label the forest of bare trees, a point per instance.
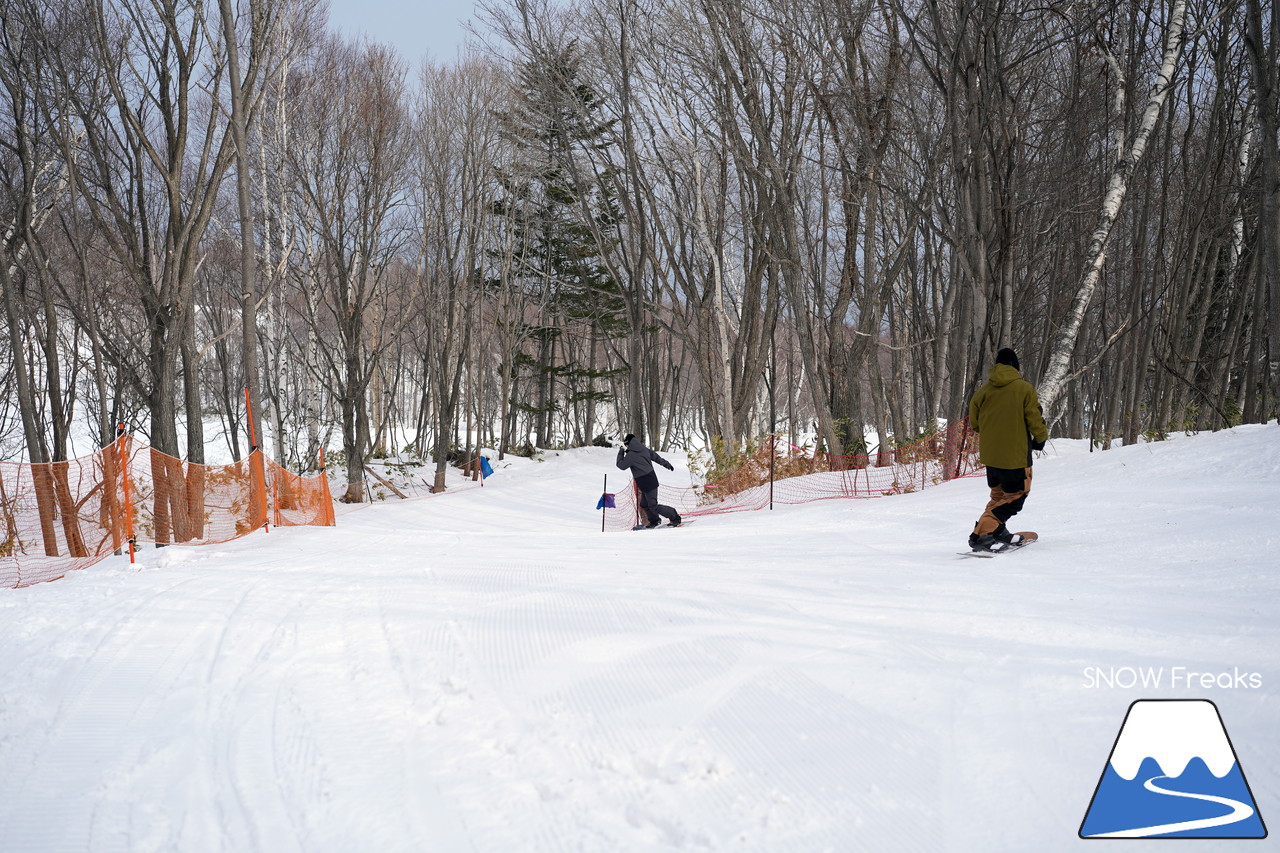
(697, 220)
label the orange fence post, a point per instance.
(124, 481)
(110, 511)
(324, 484)
(255, 463)
(275, 498)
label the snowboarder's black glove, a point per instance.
(668, 466)
(1037, 445)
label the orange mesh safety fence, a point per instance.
(801, 477)
(62, 516)
(299, 500)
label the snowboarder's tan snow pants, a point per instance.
(1009, 489)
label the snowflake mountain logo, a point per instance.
(1173, 773)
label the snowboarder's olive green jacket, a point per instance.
(1005, 413)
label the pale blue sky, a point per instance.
(418, 29)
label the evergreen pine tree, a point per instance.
(554, 122)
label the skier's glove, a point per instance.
(1037, 445)
(669, 466)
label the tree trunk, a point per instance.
(1263, 40)
(248, 258)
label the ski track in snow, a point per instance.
(486, 671)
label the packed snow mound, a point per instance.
(1250, 452)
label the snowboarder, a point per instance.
(634, 455)
(1006, 415)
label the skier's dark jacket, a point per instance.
(1005, 413)
(640, 460)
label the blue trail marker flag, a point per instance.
(606, 501)
(485, 469)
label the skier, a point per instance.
(634, 455)
(1006, 415)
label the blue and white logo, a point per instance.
(1173, 773)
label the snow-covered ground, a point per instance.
(486, 671)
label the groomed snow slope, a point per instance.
(486, 671)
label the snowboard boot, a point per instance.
(675, 522)
(1003, 536)
(987, 543)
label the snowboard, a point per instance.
(685, 523)
(1027, 538)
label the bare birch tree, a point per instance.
(1053, 384)
(350, 172)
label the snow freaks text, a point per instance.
(1173, 677)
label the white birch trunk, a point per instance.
(43, 210)
(1243, 164)
(310, 390)
(1056, 376)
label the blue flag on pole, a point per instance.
(606, 500)
(485, 470)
